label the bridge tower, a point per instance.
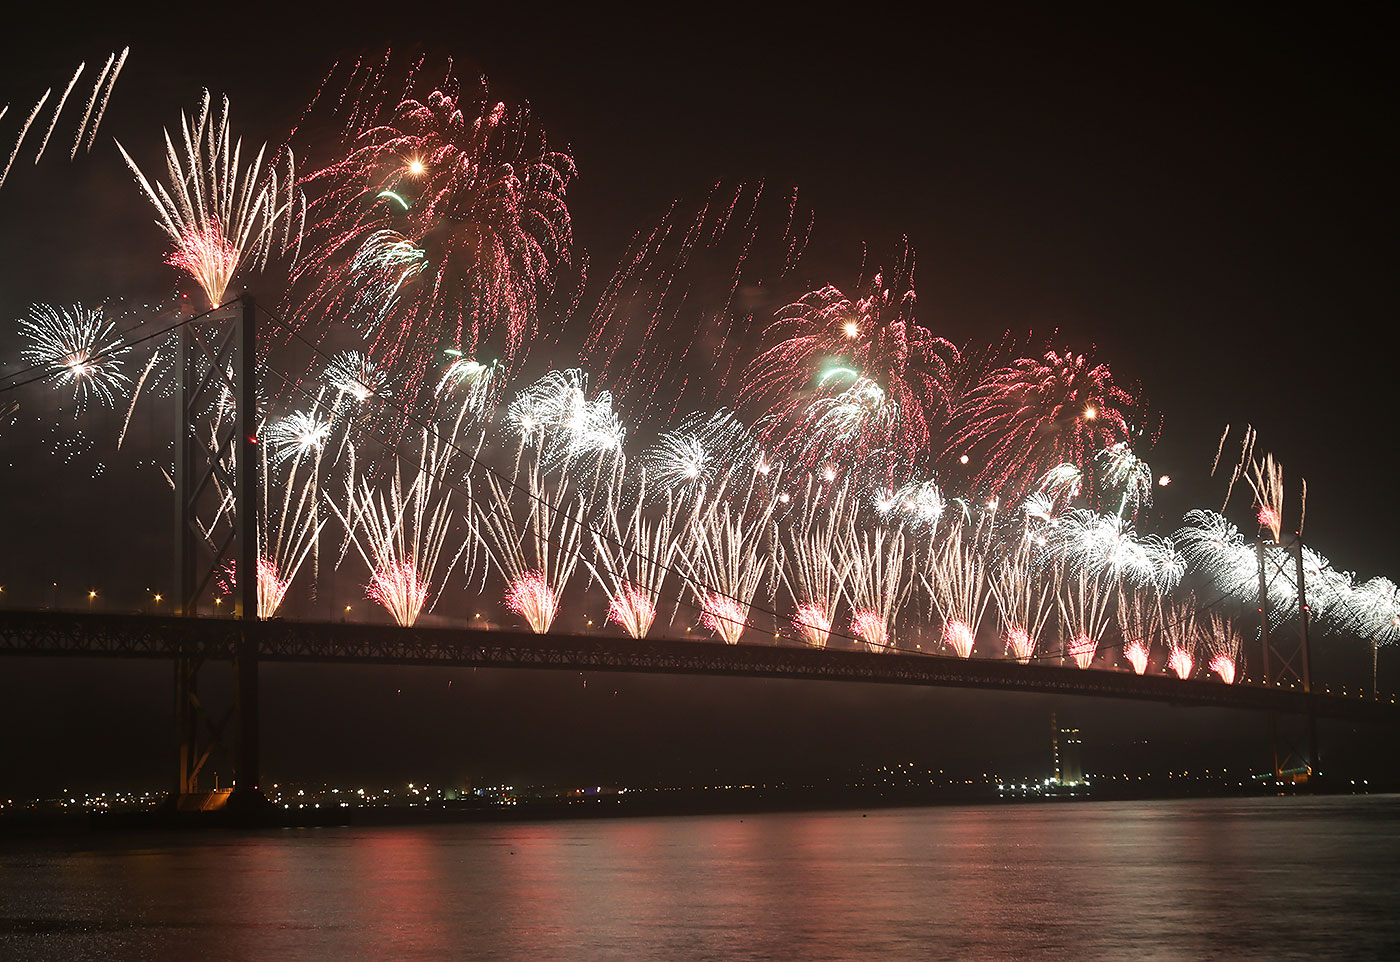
(1287, 659)
(216, 536)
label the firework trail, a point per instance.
(534, 545)
(876, 577)
(1034, 414)
(634, 555)
(893, 374)
(1139, 621)
(221, 215)
(728, 558)
(101, 94)
(400, 537)
(79, 345)
(670, 327)
(1246, 449)
(1024, 598)
(1086, 603)
(443, 223)
(958, 589)
(807, 560)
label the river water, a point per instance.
(1236, 879)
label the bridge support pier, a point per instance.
(216, 468)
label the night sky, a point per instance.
(1209, 198)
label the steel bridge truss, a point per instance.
(59, 634)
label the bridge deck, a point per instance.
(60, 634)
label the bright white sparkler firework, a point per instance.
(1063, 482)
(79, 345)
(1086, 604)
(474, 383)
(1024, 598)
(288, 531)
(634, 554)
(855, 419)
(354, 374)
(1107, 545)
(877, 579)
(221, 215)
(807, 560)
(400, 536)
(1122, 472)
(297, 434)
(556, 414)
(701, 453)
(532, 534)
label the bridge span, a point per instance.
(74, 634)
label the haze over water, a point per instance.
(1198, 879)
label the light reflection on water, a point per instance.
(1227, 879)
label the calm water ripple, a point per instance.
(1232, 879)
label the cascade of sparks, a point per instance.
(877, 578)
(1086, 603)
(634, 553)
(958, 589)
(400, 535)
(532, 533)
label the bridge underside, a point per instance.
(61, 634)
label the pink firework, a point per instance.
(1136, 653)
(444, 225)
(1082, 649)
(1224, 667)
(272, 587)
(1181, 661)
(1034, 414)
(1269, 518)
(869, 625)
(958, 636)
(1019, 644)
(531, 597)
(398, 588)
(724, 616)
(828, 340)
(633, 609)
(812, 622)
(204, 254)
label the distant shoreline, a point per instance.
(638, 805)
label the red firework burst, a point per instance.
(444, 226)
(1033, 414)
(865, 358)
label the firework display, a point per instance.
(80, 347)
(221, 215)
(721, 444)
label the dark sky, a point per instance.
(1207, 196)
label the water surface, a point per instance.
(1211, 879)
